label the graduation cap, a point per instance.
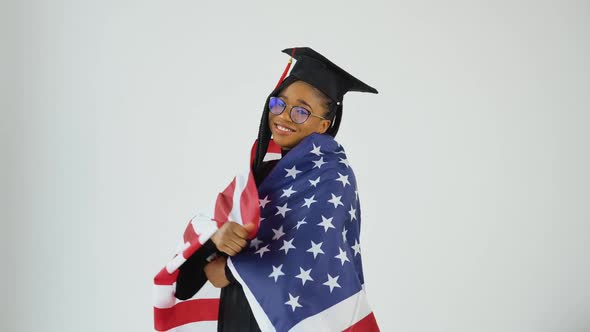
(323, 74)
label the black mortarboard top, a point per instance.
(323, 74)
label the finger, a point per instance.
(234, 246)
(240, 231)
(241, 243)
(249, 228)
(227, 225)
(228, 250)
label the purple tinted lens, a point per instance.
(276, 105)
(299, 114)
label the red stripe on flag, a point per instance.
(186, 312)
(249, 203)
(272, 148)
(224, 204)
(189, 233)
(188, 252)
(165, 278)
(367, 324)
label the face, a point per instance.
(285, 132)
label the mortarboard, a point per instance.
(323, 74)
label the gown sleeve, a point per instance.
(191, 275)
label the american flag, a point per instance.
(303, 271)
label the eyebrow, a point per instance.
(300, 101)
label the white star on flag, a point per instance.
(344, 161)
(287, 245)
(282, 210)
(316, 249)
(342, 256)
(332, 282)
(326, 223)
(318, 163)
(309, 201)
(255, 243)
(293, 302)
(301, 222)
(316, 150)
(262, 250)
(264, 201)
(292, 172)
(356, 247)
(335, 200)
(314, 182)
(276, 272)
(288, 192)
(344, 231)
(343, 179)
(352, 213)
(278, 233)
(304, 275)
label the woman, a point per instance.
(303, 112)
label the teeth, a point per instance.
(283, 128)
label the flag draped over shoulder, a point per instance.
(303, 270)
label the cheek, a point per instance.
(309, 128)
(271, 118)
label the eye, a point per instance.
(301, 111)
(275, 101)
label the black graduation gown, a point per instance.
(235, 314)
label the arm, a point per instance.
(191, 274)
(216, 272)
(230, 239)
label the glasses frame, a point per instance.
(309, 113)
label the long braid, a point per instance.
(264, 132)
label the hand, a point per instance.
(231, 237)
(215, 272)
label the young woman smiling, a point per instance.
(303, 112)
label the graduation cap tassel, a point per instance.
(286, 71)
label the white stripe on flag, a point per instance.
(204, 226)
(236, 211)
(163, 296)
(203, 326)
(272, 156)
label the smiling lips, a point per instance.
(282, 129)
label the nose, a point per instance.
(285, 116)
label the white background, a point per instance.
(120, 117)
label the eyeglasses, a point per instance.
(298, 114)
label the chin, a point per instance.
(283, 143)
